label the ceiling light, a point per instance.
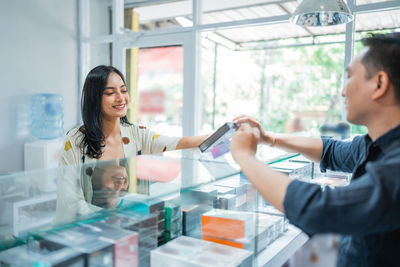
(321, 13)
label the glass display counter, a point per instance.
(180, 208)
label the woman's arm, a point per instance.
(191, 141)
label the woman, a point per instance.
(106, 133)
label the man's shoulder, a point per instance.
(359, 139)
(393, 151)
(356, 141)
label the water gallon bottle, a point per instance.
(47, 116)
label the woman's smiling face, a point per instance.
(115, 97)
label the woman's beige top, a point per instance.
(137, 140)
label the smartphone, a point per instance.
(224, 133)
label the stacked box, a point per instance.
(125, 243)
(240, 189)
(255, 244)
(194, 203)
(222, 190)
(228, 224)
(145, 225)
(261, 240)
(226, 201)
(191, 219)
(239, 186)
(273, 224)
(236, 229)
(271, 210)
(251, 194)
(173, 219)
(97, 252)
(147, 205)
(242, 243)
(42, 253)
(232, 228)
(205, 195)
(296, 170)
(187, 251)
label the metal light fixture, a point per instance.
(321, 13)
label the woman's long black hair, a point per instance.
(91, 103)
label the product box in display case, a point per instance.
(97, 252)
(296, 170)
(145, 225)
(147, 205)
(275, 225)
(228, 228)
(241, 190)
(23, 214)
(236, 183)
(222, 190)
(173, 219)
(42, 253)
(228, 224)
(232, 228)
(191, 252)
(144, 204)
(125, 243)
(226, 201)
(191, 219)
(204, 194)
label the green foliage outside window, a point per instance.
(277, 85)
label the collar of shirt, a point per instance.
(376, 150)
(386, 140)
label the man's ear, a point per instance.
(382, 84)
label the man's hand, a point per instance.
(244, 141)
(265, 138)
(271, 184)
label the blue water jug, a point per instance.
(47, 116)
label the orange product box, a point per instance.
(223, 241)
(227, 224)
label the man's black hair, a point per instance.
(383, 55)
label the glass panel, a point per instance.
(158, 197)
(290, 85)
(168, 14)
(160, 87)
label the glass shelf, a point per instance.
(184, 191)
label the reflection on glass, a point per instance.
(109, 181)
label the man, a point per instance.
(367, 212)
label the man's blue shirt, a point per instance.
(366, 212)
